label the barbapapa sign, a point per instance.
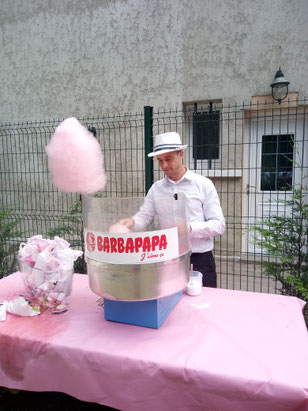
(132, 248)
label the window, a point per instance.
(206, 134)
(203, 134)
(277, 162)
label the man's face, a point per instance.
(172, 164)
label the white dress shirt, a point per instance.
(204, 213)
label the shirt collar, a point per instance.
(186, 176)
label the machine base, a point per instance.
(151, 313)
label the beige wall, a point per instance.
(65, 58)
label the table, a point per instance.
(221, 350)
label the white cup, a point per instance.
(194, 286)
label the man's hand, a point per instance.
(128, 222)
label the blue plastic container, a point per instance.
(151, 313)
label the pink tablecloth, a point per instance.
(223, 350)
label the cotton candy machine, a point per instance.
(135, 266)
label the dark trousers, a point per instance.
(205, 263)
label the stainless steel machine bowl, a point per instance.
(139, 282)
(135, 281)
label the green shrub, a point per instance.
(71, 227)
(9, 242)
(284, 240)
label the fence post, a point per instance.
(148, 146)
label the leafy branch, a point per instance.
(285, 239)
(8, 246)
(71, 225)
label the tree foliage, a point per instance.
(284, 239)
(9, 242)
(71, 226)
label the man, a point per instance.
(204, 213)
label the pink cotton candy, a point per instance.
(75, 159)
(118, 228)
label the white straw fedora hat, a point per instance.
(163, 143)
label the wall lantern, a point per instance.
(280, 87)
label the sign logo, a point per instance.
(132, 248)
(90, 240)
